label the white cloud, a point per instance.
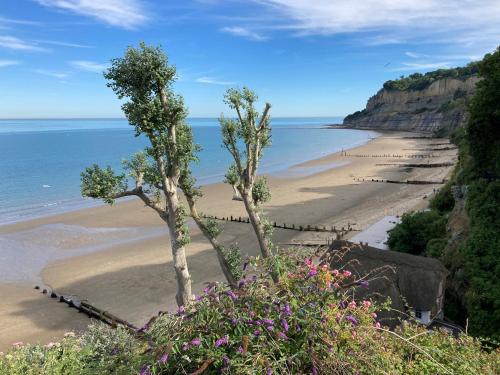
(4, 63)
(14, 43)
(243, 32)
(63, 44)
(51, 73)
(128, 14)
(406, 66)
(212, 81)
(415, 55)
(89, 66)
(465, 23)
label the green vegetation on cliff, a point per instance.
(418, 81)
(474, 263)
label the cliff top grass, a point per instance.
(418, 81)
(308, 323)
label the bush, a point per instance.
(308, 323)
(415, 231)
(443, 201)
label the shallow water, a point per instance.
(41, 160)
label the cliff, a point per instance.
(432, 102)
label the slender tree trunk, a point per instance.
(258, 227)
(213, 241)
(184, 295)
(256, 223)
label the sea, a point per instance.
(41, 160)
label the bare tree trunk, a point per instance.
(184, 295)
(213, 241)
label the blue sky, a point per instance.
(306, 57)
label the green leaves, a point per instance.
(102, 183)
(260, 191)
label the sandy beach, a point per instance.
(118, 258)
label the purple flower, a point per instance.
(181, 310)
(282, 335)
(314, 370)
(257, 332)
(234, 321)
(196, 342)
(269, 328)
(240, 349)
(284, 324)
(312, 273)
(287, 309)
(145, 370)
(222, 341)
(225, 361)
(351, 319)
(163, 358)
(185, 346)
(115, 351)
(241, 284)
(363, 283)
(269, 371)
(231, 295)
(342, 305)
(268, 321)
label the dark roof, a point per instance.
(407, 279)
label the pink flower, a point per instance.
(196, 342)
(367, 304)
(377, 325)
(353, 334)
(324, 267)
(347, 273)
(352, 305)
(374, 315)
(335, 272)
(69, 334)
(18, 345)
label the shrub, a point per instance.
(307, 323)
(415, 231)
(443, 201)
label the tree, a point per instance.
(229, 259)
(144, 77)
(245, 138)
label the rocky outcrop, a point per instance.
(442, 104)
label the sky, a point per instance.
(305, 57)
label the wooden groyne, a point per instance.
(407, 182)
(419, 165)
(400, 156)
(90, 310)
(302, 228)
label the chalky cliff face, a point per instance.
(442, 104)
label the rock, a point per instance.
(426, 110)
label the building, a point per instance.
(415, 284)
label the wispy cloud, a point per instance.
(127, 14)
(408, 66)
(415, 55)
(6, 22)
(49, 73)
(469, 24)
(244, 32)
(89, 66)
(62, 44)
(212, 81)
(4, 63)
(14, 43)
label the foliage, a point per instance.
(415, 231)
(480, 256)
(102, 183)
(443, 201)
(232, 254)
(307, 323)
(418, 81)
(260, 191)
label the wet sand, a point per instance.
(118, 258)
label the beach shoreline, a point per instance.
(133, 278)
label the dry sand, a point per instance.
(118, 258)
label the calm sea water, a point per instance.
(41, 160)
